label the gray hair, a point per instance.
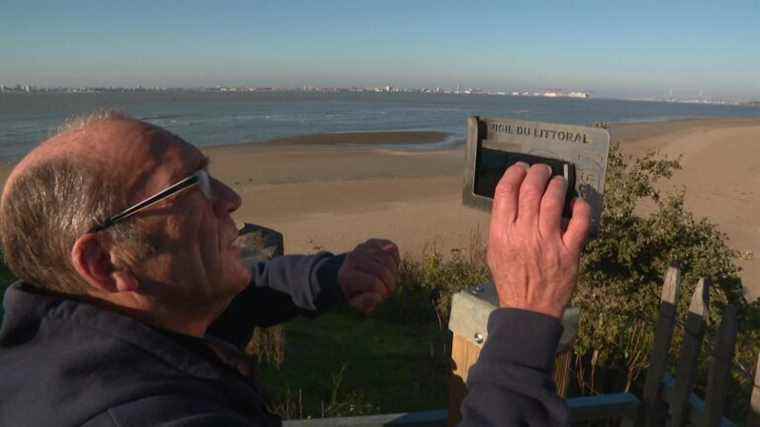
(54, 202)
(80, 122)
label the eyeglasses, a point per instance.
(199, 178)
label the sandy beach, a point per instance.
(324, 196)
(334, 191)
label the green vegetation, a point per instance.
(619, 287)
(344, 364)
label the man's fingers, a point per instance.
(375, 255)
(377, 243)
(384, 246)
(531, 192)
(580, 223)
(374, 267)
(504, 208)
(359, 282)
(552, 204)
(387, 255)
(366, 303)
(392, 249)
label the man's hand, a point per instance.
(533, 261)
(368, 275)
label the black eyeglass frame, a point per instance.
(200, 177)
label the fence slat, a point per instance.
(604, 407)
(754, 403)
(696, 405)
(720, 369)
(688, 359)
(653, 407)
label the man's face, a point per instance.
(197, 261)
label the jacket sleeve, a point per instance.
(512, 382)
(177, 411)
(281, 289)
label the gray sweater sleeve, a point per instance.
(512, 382)
(281, 289)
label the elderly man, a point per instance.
(133, 301)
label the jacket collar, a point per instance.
(27, 308)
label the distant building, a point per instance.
(584, 95)
(554, 93)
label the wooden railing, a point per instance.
(671, 400)
(666, 400)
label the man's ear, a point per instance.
(93, 263)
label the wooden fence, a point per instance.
(666, 400)
(671, 401)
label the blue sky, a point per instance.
(630, 49)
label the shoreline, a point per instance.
(343, 140)
(361, 138)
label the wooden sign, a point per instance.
(493, 144)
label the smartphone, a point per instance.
(491, 165)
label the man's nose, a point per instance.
(226, 200)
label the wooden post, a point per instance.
(654, 409)
(692, 343)
(464, 354)
(754, 404)
(468, 322)
(720, 369)
(562, 371)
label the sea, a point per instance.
(223, 118)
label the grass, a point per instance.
(396, 360)
(345, 364)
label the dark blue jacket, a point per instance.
(65, 362)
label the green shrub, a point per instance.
(644, 230)
(434, 278)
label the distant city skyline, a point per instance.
(637, 50)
